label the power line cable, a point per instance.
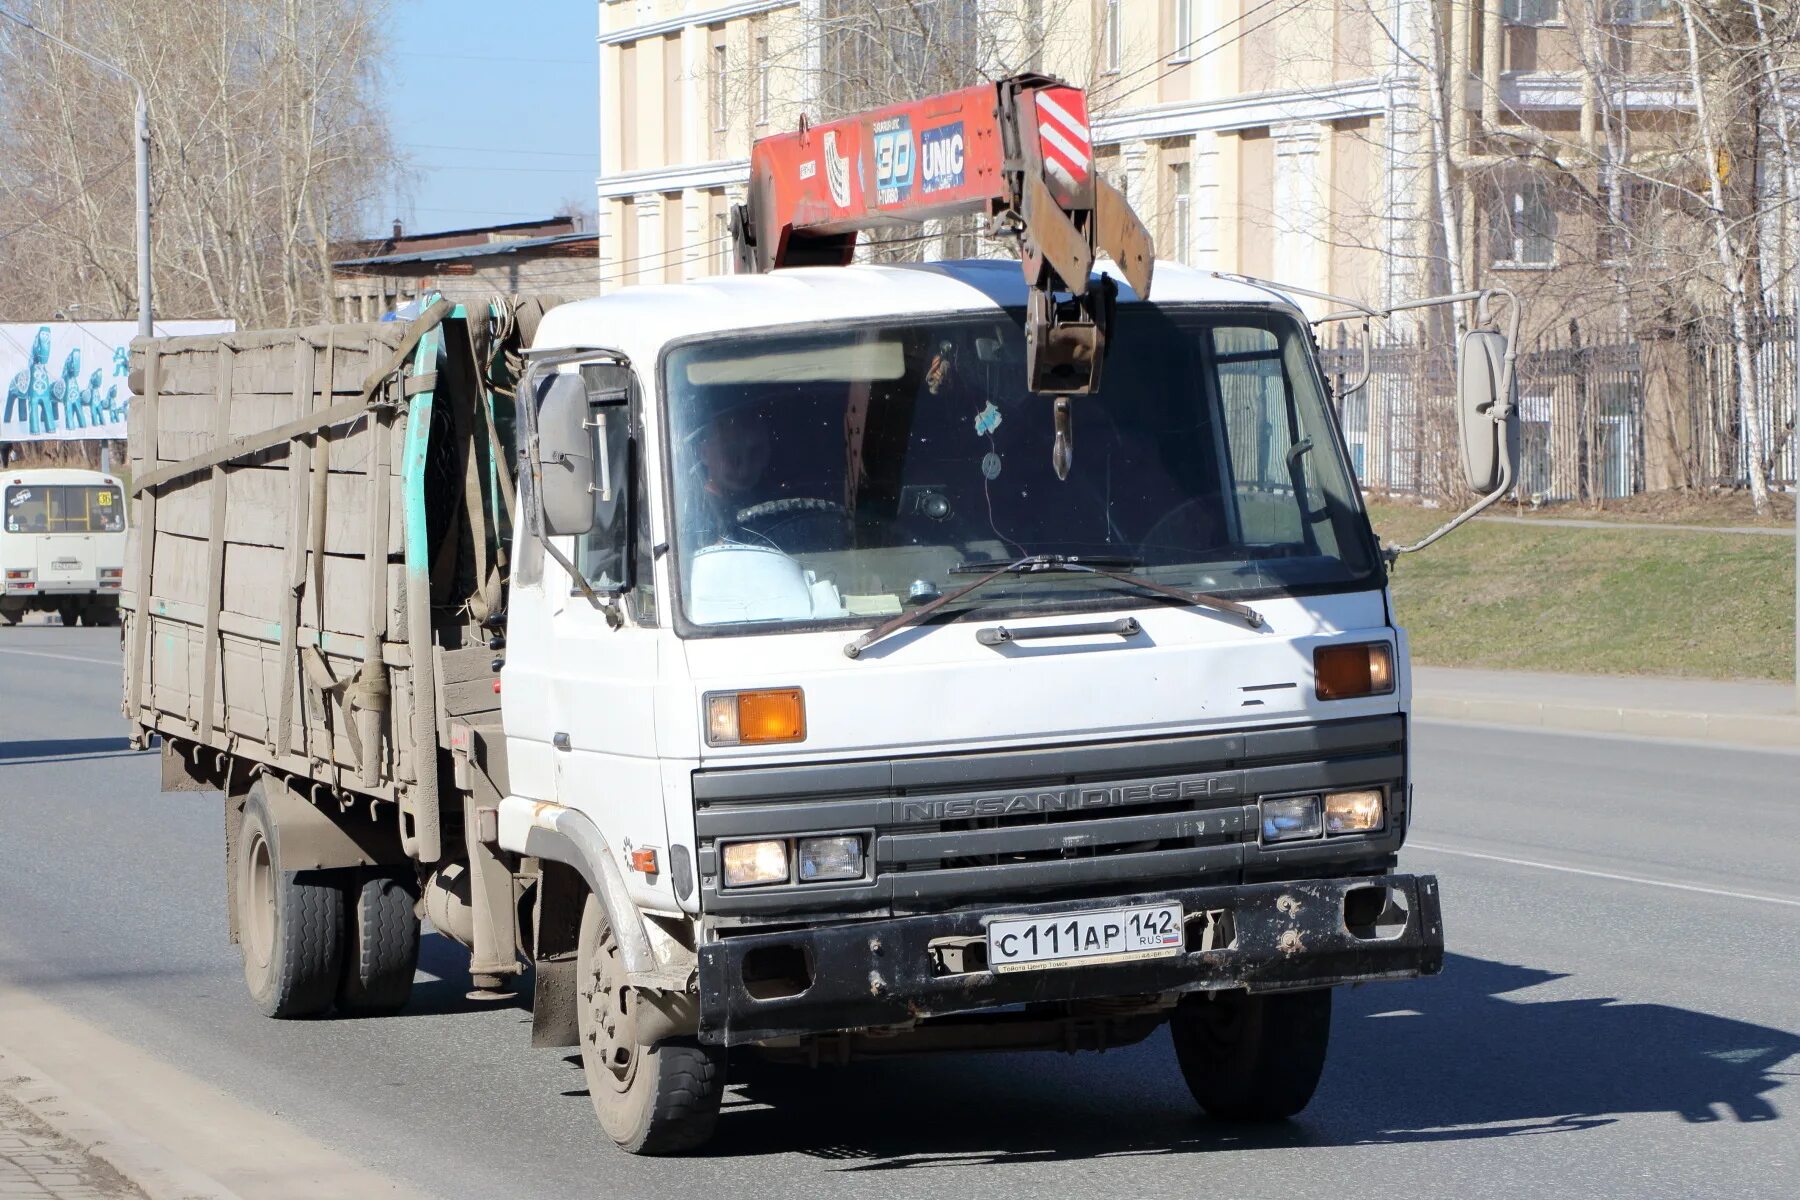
(1161, 58)
(82, 191)
(1238, 37)
(502, 150)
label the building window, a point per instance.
(1184, 30)
(1530, 12)
(1180, 210)
(719, 107)
(722, 248)
(1640, 12)
(1111, 33)
(762, 81)
(1522, 225)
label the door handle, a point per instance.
(560, 740)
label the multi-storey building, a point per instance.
(1287, 139)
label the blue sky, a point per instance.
(497, 107)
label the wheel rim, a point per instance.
(611, 1011)
(258, 885)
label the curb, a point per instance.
(1764, 731)
(155, 1171)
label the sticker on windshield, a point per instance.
(986, 421)
(990, 465)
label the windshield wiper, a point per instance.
(1033, 564)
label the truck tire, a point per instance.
(659, 1099)
(1252, 1058)
(70, 614)
(12, 616)
(100, 613)
(382, 942)
(290, 923)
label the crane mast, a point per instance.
(1019, 150)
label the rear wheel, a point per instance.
(12, 616)
(100, 613)
(290, 923)
(70, 614)
(660, 1099)
(1252, 1058)
(382, 942)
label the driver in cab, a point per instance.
(733, 455)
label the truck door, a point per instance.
(586, 682)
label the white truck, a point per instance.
(816, 687)
(62, 545)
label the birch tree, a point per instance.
(269, 142)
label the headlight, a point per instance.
(825, 858)
(1290, 818)
(1353, 812)
(748, 864)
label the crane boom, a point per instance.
(1019, 150)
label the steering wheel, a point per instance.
(767, 519)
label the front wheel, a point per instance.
(658, 1099)
(1252, 1058)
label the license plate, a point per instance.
(1072, 939)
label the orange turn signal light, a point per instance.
(643, 860)
(755, 718)
(1357, 669)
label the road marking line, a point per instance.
(1662, 883)
(104, 662)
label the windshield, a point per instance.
(848, 473)
(64, 508)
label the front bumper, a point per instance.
(1285, 935)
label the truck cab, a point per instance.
(867, 721)
(62, 545)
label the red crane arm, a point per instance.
(1019, 150)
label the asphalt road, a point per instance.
(1620, 1014)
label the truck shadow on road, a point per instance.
(62, 750)
(1445, 1059)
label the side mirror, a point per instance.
(1487, 420)
(566, 456)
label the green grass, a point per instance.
(1625, 602)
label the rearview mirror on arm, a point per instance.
(1487, 411)
(566, 457)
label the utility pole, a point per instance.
(143, 164)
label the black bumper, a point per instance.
(872, 973)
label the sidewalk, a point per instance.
(1724, 711)
(90, 1117)
(38, 1163)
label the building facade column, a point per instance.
(1203, 188)
(1300, 213)
(649, 267)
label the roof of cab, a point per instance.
(639, 320)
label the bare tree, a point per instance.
(269, 143)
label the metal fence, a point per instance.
(1601, 416)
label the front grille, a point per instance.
(1065, 821)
